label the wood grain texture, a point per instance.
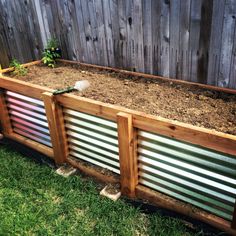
(233, 223)
(215, 42)
(204, 41)
(227, 43)
(22, 87)
(187, 40)
(194, 36)
(127, 154)
(32, 144)
(200, 136)
(147, 36)
(91, 172)
(184, 39)
(163, 201)
(4, 115)
(57, 128)
(174, 39)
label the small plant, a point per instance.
(52, 43)
(51, 53)
(19, 70)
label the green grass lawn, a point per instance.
(34, 200)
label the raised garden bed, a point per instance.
(182, 102)
(153, 156)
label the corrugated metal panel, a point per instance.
(93, 139)
(28, 117)
(193, 174)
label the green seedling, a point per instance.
(51, 53)
(19, 70)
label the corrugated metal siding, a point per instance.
(93, 139)
(28, 117)
(196, 175)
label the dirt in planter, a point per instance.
(185, 103)
(113, 188)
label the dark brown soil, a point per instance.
(185, 103)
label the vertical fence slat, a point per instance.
(4, 115)
(128, 154)
(56, 126)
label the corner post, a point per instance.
(4, 115)
(127, 154)
(55, 119)
(233, 222)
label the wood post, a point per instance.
(233, 223)
(4, 115)
(56, 126)
(127, 154)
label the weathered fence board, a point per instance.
(188, 40)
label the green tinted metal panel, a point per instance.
(196, 175)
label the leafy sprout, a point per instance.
(19, 70)
(52, 43)
(51, 53)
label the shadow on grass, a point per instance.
(34, 200)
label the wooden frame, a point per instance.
(161, 200)
(32, 144)
(4, 115)
(128, 156)
(200, 136)
(92, 172)
(233, 223)
(27, 89)
(128, 122)
(56, 126)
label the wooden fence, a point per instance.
(183, 168)
(192, 40)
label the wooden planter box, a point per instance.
(177, 166)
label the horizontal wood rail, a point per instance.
(233, 223)
(196, 135)
(24, 65)
(22, 87)
(32, 144)
(172, 204)
(93, 172)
